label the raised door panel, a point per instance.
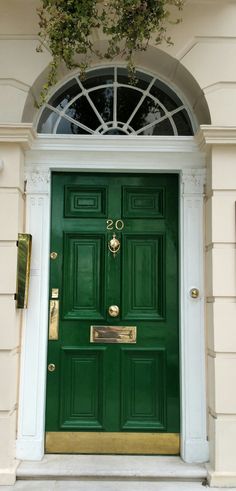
(143, 288)
(85, 202)
(82, 388)
(83, 276)
(143, 389)
(142, 202)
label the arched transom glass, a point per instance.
(105, 103)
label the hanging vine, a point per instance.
(66, 27)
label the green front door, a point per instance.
(113, 356)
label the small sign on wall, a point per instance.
(23, 270)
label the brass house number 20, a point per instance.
(119, 224)
(114, 243)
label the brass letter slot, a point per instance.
(113, 334)
(53, 320)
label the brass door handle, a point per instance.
(113, 310)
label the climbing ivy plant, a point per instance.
(67, 28)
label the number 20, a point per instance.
(119, 224)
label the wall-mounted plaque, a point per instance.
(113, 334)
(23, 270)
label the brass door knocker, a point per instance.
(114, 245)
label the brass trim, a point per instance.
(194, 293)
(23, 270)
(113, 334)
(55, 293)
(51, 367)
(114, 245)
(53, 320)
(53, 255)
(113, 443)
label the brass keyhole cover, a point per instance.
(113, 310)
(51, 367)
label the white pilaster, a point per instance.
(193, 411)
(30, 439)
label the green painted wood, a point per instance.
(143, 264)
(115, 387)
(143, 202)
(83, 278)
(87, 201)
(82, 373)
(143, 389)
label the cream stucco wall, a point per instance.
(221, 311)
(11, 222)
(200, 66)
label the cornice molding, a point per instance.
(104, 143)
(22, 133)
(215, 135)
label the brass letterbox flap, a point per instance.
(113, 334)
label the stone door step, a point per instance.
(111, 468)
(106, 486)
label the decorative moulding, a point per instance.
(38, 181)
(215, 135)
(220, 479)
(22, 133)
(111, 143)
(193, 181)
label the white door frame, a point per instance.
(115, 154)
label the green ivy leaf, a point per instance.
(66, 26)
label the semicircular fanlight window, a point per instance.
(106, 104)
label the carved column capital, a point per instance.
(37, 181)
(193, 181)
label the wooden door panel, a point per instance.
(85, 201)
(83, 279)
(143, 389)
(143, 276)
(141, 202)
(82, 386)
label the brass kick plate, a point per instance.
(113, 334)
(113, 443)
